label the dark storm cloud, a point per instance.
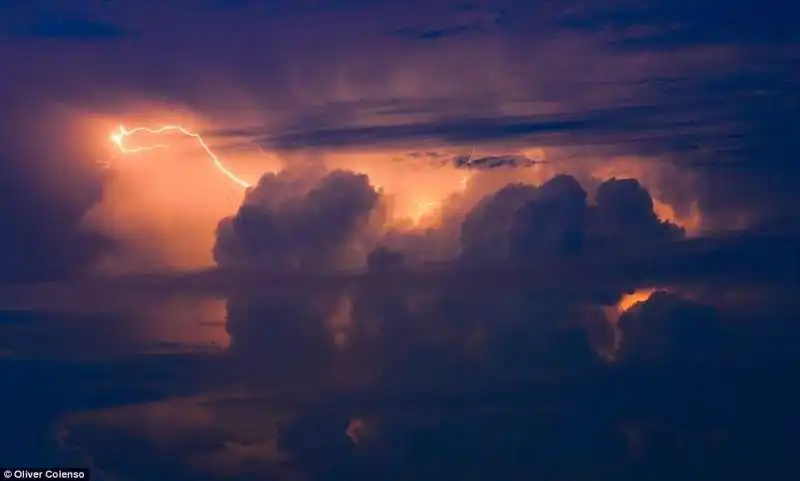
(286, 222)
(499, 332)
(486, 228)
(667, 327)
(555, 223)
(694, 128)
(444, 369)
(40, 215)
(425, 319)
(469, 130)
(635, 417)
(509, 385)
(302, 229)
(288, 337)
(619, 241)
(524, 222)
(625, 209)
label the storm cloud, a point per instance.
(605, 283)
(284, 224)
(42, 216)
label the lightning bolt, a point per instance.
(118, 139)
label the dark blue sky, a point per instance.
(561, 157)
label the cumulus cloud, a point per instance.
(298, 221)
(625, 213)
(669, 328)
(282, 225)
(444, 374)
(555, 220)
(485, 229)
(555, 223)
(446, 332)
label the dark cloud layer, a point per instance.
(680, 24)
(440, 403)
(642, 124)
(667, 327)
(448, 369)
(494, 162)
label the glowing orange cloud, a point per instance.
(613, 313)
(629, 300)
(120, 135)
(425, 208)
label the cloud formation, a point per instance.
(688, 96)
(655, 124)
(668, 328)
(434, 390)
(319, 223)
(40, 213)
(284, 224)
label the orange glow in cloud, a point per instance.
(613, 313)
(170, 205)
(416, 192)
(630, 300)
(650, 173)
(164, 191)
(691, 222)
(423, 210)
(120, 135)
(427, 213)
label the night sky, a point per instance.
(400, 240)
